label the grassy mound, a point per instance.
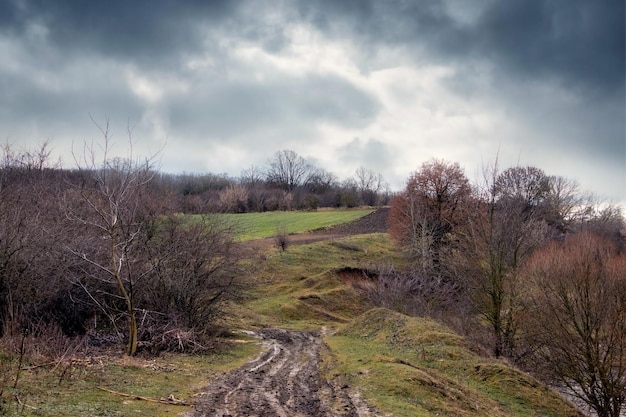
(300, 288)
(416, 367)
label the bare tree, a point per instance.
(413, 230)
(253, 179)
(527, 186)
(500, 232)
(108, 206)
(251, 176)
(409, 292)
(320, 181)
(371, 184)
(281, 237)
(233, 199)
(429, 210)
(348, 193)
(287, 170)
(606, 220)
(578, 319)
(194, 268)
(562, 202)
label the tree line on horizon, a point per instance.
(287, 182)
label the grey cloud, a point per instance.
(137, 35)
(23, 100)
(131, 30)
(231, 109)
(508, 51)
(412, 25)
(371, 153)
(496, 49)
(577, 42)
(393, 21)
(593, 128)
(8, 13)
(57, 104)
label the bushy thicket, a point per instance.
(100, 251)
(523, 263)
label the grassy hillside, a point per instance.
(77, 385)
(300, 288)
(250, 226)
(416, 367)
(405, 366)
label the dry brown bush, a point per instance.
(577, 319)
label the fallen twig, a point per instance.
(23, 404)
(41, 365)
(169, 400)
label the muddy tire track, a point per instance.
(284, 381)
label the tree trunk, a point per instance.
(131, 349)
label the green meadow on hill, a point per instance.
(249, 226)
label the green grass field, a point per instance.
(250, 226)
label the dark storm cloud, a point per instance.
(576, 45)
(125, 29)
(389, 22)
(8, 14)
(577, 42)
(408, 24)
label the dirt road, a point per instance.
(284, 381)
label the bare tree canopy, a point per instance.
(429, 209)
(112, 204)
(287, 169)
(528, 185)
(498, 235)
(371, 185)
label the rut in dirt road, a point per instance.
(284, 381)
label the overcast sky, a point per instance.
(385, 84)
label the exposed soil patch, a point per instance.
(284, 381)
(357, 277)
(375, 222)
